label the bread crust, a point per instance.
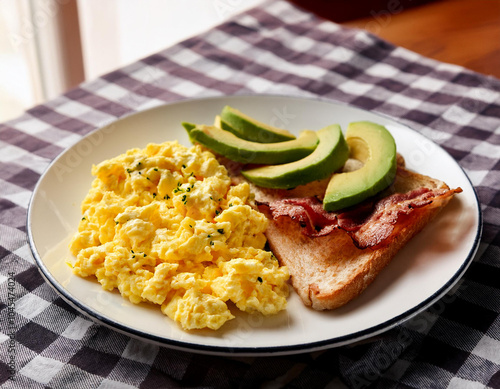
(329, 271)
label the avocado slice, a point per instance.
(218, 122)
(188, 126)
(373, 145)
(250, 129)
(240, 150)
(330, 154)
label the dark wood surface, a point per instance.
(461, 32)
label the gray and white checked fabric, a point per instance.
(275, 48)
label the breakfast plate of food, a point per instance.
(253, 225)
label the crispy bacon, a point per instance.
(308, 211)
(369, 224)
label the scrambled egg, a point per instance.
(164, 225)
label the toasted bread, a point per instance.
(329, 270)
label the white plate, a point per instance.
(419, 275)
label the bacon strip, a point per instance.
(308, 211)
(369, 224)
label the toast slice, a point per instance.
(333, 263)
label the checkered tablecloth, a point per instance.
(275, 48)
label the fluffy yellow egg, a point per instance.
(164, 225)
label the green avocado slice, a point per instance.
(240, 150)
(218, 122)
(373, 145)
(250, 129)
(188, 126)
(330, 154)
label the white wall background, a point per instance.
(117, 32)
(113, 34)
